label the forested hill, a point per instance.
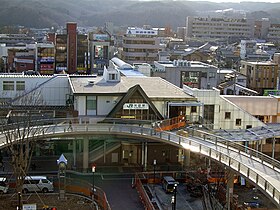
(46, 13)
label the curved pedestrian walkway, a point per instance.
(253, 165)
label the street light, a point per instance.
(174, 197)
(172, 203)
(155, 162)
(93, 171)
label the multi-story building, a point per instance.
(101, 51)
(274, 32)
(45, 58)
(261, 28)
(260, 75)
(192, 73)
(140, 45)
(219, 28)
(71, 51)
(20, 60)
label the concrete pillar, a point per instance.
(37, 150)
(142, 153)
(74, 153)
(85, 154)
(146, 156)
(230, 185)
(104, 155)
(273, 148)
(80, 144)
(187, 159)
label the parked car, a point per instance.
(4, 187)
(38, 184)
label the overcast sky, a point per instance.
(238, 1)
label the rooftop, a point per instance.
(154, 87)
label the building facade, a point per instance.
(140, 45)
(219, 28)
(192, 73)
(260, 75)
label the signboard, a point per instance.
(139, 31)
(137, 106)
(271, 92)
(46, 60)
(29, 206)
(100, 37)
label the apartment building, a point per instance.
(140, 45)
(274, 32)
(219, 28)
(260, 75)
(194, 74)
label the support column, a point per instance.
(85, 154)
(104, 154)
(146, 156)
(142, 153)
(261, 145)
(230, 185)
(74, 153)
(187, 159)
(273, 148)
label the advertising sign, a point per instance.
(100, 37)
(137, 106)
(29, 206)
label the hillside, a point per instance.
(46, 13)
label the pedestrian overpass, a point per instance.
(255, 166)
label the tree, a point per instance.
(23, 127)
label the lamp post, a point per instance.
(172, 203)
(155, 162)
(174, 196)
(93, 171)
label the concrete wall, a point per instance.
(223, 105)
(52, 90)
(106, 103)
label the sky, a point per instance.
(238, 1)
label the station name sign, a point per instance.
(135, 106)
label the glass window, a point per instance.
(112, 77)
(20, 85)
(8, 85)
(45, 181)
(227, 115)
(193, 109)
(91, 105)
(238, 122)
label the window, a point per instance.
(112, 76)
(238, 122)
(212, 75)
(91, 105)
(44, 181)
(8, 85)
(193, 109)
(227, 115)
(20, 85)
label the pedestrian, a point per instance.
(70, 126)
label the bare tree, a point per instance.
(23, 127)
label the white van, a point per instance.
(37, 183)
(4, 187)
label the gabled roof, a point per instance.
(127, 96)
